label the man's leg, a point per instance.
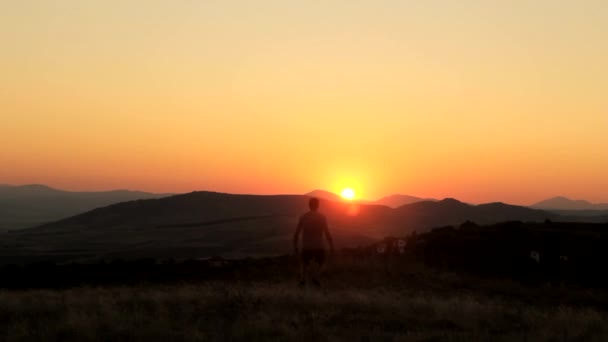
(302, 273)
(304, 264)
(318, 266)
(314, 272)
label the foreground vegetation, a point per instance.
(360, 300)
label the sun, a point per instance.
(348, 194)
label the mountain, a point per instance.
(398, 200)
(326, 195)
(30, 205)
(593, 215)
(392, 201)
(563, 203)
(452, 212)
(197, 224)
(203, 224)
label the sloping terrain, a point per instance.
(399, 200)
(563, 203)
(202, 224)
(26, 206)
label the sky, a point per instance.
(478, 100)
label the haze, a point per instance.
(479, 100)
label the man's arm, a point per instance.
(328, 236)
(297, 235)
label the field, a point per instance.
(361, 300)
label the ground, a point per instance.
(360, 301)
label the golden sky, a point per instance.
(475, 99)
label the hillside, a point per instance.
(393, 201)
(258, 300)
(31, 205)
(464, 283)
(424, 215)
(202, 224)
(326, 195)
(399, 200)
(563, 203)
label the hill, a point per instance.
(326, 195)
(203, 224)
(31, 205)
(258, 300)
(399, 200)
(450, 211)
(198, 224)
(598, 216)
(464, 283)
(392, 201)
(563, 203)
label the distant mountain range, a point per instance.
(326, 195)
(202, 224)
(31, 205)
(398, 200)
(563, 203)
(560, 204)
(392, 201)
(23, 206)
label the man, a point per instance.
(312, 225)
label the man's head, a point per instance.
(313, 204)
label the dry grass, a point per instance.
(279, 311)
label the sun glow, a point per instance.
(348, 194)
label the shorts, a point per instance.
(316, 254)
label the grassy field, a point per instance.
(361, 301)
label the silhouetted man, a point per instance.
(313, 226)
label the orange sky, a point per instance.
(466, 99)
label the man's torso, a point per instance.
(313, 225)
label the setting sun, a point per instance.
(348, 193)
